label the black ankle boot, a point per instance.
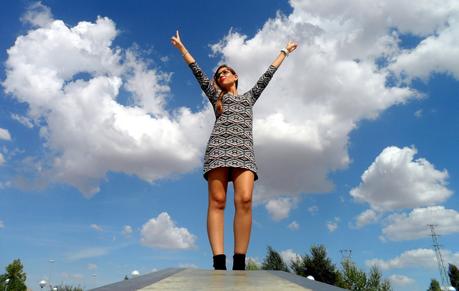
(220, 262)
(239, 262)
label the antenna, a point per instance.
(441, 265)
(345, 254)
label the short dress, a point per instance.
(231, 141)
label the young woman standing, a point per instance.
(229, 154)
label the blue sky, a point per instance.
(103, 128)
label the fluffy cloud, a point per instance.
(127, 230)
(97, 227)
(435, 54)
(395, 180)
(37, 15)
(71, 78)
(27, 122)
(5, 134)
(415, 224)
(418, 258)
(288, 256)
(294, 225)
(2, 160)
(400, 280)
(332, 225)
(280, 208)
(2, 224)
(366, 217)
(161, 232)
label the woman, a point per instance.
(229, 154)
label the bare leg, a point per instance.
(217, 184)
(243, 181)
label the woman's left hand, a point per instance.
(291, 46)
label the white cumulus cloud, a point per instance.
(97, 227)
(400, 280)
(5, 134)
(417, 258)
(127, 230)
(415, 224)
(395, 180)
(294, 225)
(161, 232)
(288, 256)
(280, 208)
(71, 79)
(332, 225)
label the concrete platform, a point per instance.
(198, 279)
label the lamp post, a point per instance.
(43, 283)
(6, 283)
(51, 261)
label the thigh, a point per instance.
(243, 180)
(217, 180)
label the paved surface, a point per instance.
(199, 279)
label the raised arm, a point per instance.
(267, 76)
(177, 42)
(206, 85)
(291, 46)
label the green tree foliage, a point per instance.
(252, 266)
(273, 261)
(317, 264)
(434, 286)
(354, 279)
(15, 273)
(453, 273)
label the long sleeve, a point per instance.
(262, 83)
(204, 82)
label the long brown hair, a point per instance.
(219, 104)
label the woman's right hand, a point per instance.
(175, 40)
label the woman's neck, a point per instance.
(232, 90)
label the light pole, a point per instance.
(43, 283)
(6, 283)
(51, 261)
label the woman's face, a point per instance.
(225, 77)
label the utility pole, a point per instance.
(345, 254)
(441, 265)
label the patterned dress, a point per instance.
(231, 141)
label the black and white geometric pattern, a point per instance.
(231, 141)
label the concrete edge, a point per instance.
(304, 282)
(139, 282)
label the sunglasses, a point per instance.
(223, 72)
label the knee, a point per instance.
(243, 200)
(217, 201)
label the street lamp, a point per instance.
(42, 284)
(6, 283)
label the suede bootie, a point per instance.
(239, 262)
(220, 262)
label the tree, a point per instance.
(317, 265)
(273, 261)
(252, 266)
(354, 279)
(15, 273)
(434, 286)
(453, 273)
